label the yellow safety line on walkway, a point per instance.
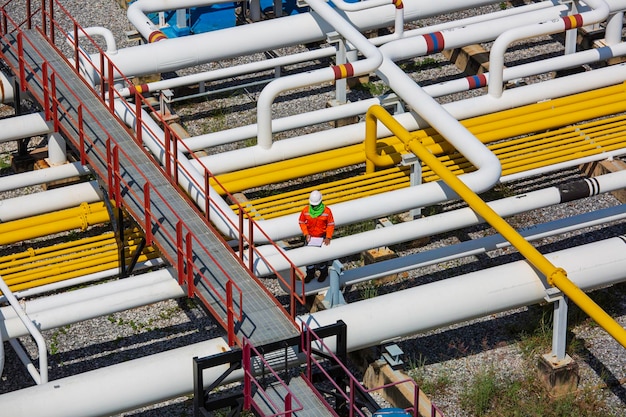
(555, 276)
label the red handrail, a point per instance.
(250, 379)
(296, 294)
(310, 337)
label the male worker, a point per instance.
(317, 224)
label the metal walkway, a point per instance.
(262, 320)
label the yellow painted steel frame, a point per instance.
(555, 276)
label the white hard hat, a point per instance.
(315, 198)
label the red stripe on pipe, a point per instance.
(398, 4)
(476, 81)
(343, 71)
(434, 42)
(156, 36)
(573, 21)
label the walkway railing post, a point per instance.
(111, 89)
(168, 151)
(247, 377)
(102, 83)
(207, 200)
(81, 136)
(250, 242)
(28, 14)
(175, 157)
(53, 98)
(117, 178)
(52, 35)
(109, 165)
(180, 252)
(46, 91)
(230, 313)
(189, 265)
(76, 49)
(20, 57)
(241, 234)
(292, 293)
(139, 119)
(288, 405)
(148, 213)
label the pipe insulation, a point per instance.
(174, 54)
(135, 383)
(117, 388)
(41, 176)
(94, 301)
(23, 126)
(432, 225)
(48, 201)
(477, 294)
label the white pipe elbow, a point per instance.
(600, 11)
(109, 39)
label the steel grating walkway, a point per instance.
(263, 321)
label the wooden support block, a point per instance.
(471, 59)
(378, 255)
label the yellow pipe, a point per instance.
(39, 229)
(84, 262)
(555, 276)
(615, 90)
(31, 256)
(27, 266)
(84, 208)
(487, 128)
(72, 273)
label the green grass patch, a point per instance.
(487, 395)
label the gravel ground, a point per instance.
(454, 354)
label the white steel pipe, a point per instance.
(279, 125)
(613, 30)
(95, 301)
(234, 71)
(432, 225)
(177, 53)
(496, 56)
(132, 384)
(23, 126)
(80, 281)
(48, 201)
(117, 388)
(41, 176)
(532, 68)
(477, 294)
(41, 377)
(6, 89)
(373, 59)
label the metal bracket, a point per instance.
(334, 297)
(391, 355)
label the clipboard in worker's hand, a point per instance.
(315, 241)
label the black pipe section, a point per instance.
(579, 189)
